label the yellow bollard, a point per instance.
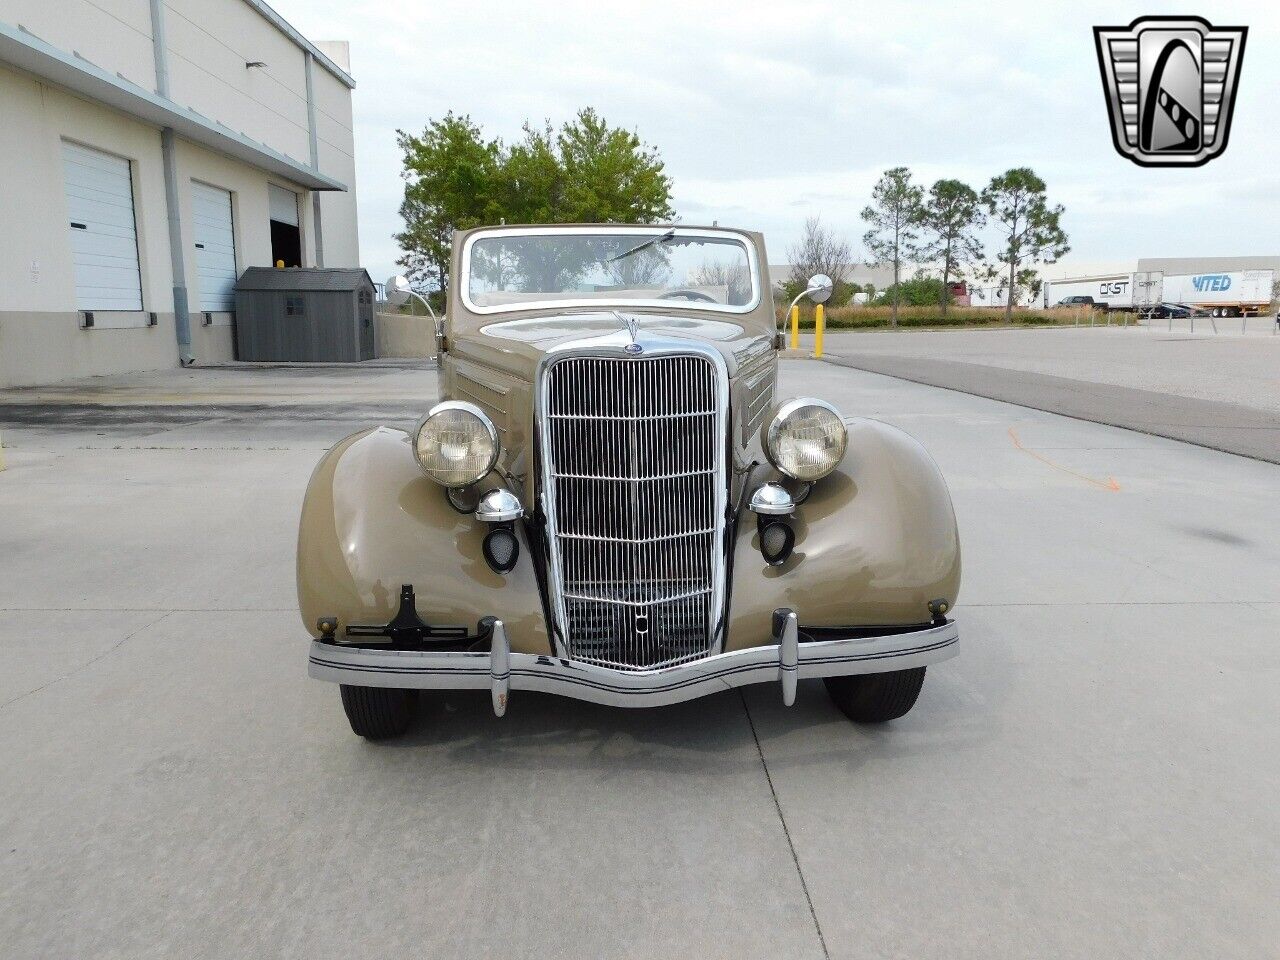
(819, 321)
(795, 328)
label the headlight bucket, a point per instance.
(805, 439)
(456, 443)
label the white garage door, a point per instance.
(215, 247)
(104, 237)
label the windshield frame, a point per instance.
(641, 232)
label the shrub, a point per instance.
(918, 292)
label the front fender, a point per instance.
(371, 521)
(875, 542)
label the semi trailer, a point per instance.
(1112, 291)
(1231, 293)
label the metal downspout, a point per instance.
(181, 310)
(314, 140)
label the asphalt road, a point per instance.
(1221, 392)
(1095, 776)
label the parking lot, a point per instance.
(1094, 776)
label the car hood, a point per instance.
(517, 346)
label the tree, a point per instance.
(449, 177)
(820, 251)
(587, 172)
(529, 180)
(610, 176)
(950, 216)
(894, 215)
(1030, 229)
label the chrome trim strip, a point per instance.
(604, 305)
(435, 670)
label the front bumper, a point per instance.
(500, 670)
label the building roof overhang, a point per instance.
(28, 52)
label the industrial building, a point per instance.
(860, 274)
(152, 151)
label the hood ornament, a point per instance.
(633, 329)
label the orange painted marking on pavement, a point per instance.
(1108, 484)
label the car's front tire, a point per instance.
(377, 713)
(876, 697)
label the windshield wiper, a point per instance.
(652, 241)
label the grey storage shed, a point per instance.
(304, 313)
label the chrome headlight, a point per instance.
(456, 444)
(805, 439)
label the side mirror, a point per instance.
(819, 288)
(397, 291)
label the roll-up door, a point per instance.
(286, 237)
(104, 235)
(283, 204)
(215, 246)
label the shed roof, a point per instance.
(331, 279)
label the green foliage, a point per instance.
(920, 291)
(610, 176)
(1030, 229)
(895, 215)
(841, 292)
(449, 178)
(587, 172)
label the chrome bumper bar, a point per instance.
(500, 670)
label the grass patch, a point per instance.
(869, 318)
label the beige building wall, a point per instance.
(335, 127)
(209, 43)
(114, 34)
(40, 335)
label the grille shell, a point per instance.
(633, 473)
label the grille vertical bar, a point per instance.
(634, 480)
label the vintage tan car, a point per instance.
(613, 503)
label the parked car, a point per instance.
(1165, 311)
(613, 502)
(1081, 301)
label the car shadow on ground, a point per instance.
(715, 735)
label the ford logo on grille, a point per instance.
(633, 348)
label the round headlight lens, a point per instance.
(806, 439)
(456, 444)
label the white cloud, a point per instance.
(767, 113)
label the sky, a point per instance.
(768, 113)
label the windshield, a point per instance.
(662, 267)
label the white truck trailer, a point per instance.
(1231, 293)
(1113, 291)
(1234, 293)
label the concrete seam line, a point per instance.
(777, 805)
(88, 663)
(838, 361)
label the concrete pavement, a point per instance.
(1095, 775)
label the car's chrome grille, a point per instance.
(634, 475)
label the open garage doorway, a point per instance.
(286, 235)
